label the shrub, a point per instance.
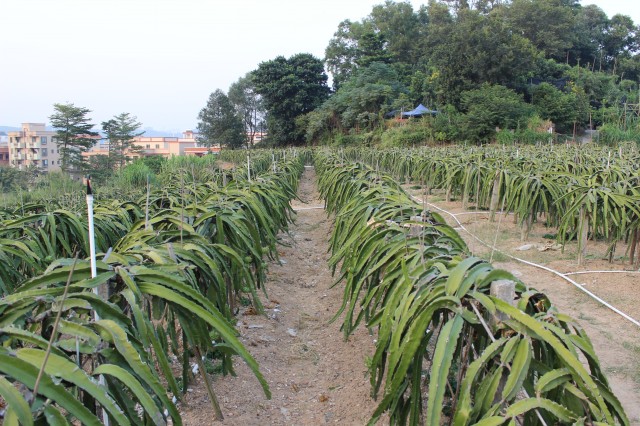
(415, 132)
(135, 175)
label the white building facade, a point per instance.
(34, 145)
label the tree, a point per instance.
(622, 38)
(591, 24)
(101, 168)
(471, 49)
(248, 105)
(12, 178)
(219, 124)
(120, 131)
(290, 88)
(564, 109)
(548, 24)
(343, 53)
(492, 106)
(393, 33)
(359, 103)
(403, 30)
(74, 135)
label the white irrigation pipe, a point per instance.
(560, 274)
(601, 272)
(478, 212)
(297, 209)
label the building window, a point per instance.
(45, 163)
(148, 146)
(44, 152)
(43, 140)
(33, 139)
(157, 146)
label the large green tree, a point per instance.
(249, 106)
(120, 131)
(469, 49)
(218, 123)
(589, 34)
(392, 33)
(74, 135)
(622, 39)
(547, 24)
(290, 88)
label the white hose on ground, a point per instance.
(560, 274)
(478, 212)
(297, 209)
(601, 272)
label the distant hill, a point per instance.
(150, 131)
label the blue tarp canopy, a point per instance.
(419, 111)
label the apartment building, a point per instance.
(4, 149)
(33, 145)
(158, 145)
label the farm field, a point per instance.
(119, 339)
(616, 340)
(325, 376)
(409, 313)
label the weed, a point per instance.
(212, 367)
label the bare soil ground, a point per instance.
(317, 377)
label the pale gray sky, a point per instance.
(159, 59)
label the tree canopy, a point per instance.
(120, 131)
(74, 135)
(561, 58)
(551, 60)
(219, 124)
(290, 87)
(248, 105)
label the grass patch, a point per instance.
(632, 348)
(497, 257)
(587, 318)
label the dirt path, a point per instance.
(315, 376)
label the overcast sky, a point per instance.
(159, 59)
